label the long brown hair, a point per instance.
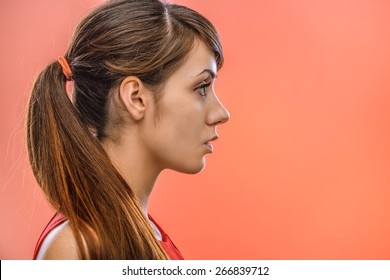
(148, 39)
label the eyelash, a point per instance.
(202, 89)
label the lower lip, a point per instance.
(209, 147)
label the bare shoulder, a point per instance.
(59, 244)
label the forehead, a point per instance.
(200, 58)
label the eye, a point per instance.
(202, 89)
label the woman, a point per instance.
(142, 75)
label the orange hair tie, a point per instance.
(65, 67)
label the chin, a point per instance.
(192, 168)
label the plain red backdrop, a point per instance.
(301, 171)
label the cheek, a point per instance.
(189, 121)
(180, 134)
(182, 127)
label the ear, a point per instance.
(132, 95)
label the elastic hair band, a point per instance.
(65, 67)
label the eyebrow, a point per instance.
(211, 72)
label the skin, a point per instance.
(173, 133)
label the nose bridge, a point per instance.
(218, 114)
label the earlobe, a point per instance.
(132, 97)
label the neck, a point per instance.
(139, 171)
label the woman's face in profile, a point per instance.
(187, 114)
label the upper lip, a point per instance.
(212, 139)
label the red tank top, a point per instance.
(166, 242)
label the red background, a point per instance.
(301, 171)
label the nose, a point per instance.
(218, 114)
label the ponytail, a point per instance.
(79, 179)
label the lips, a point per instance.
(212, 139)
(208, 145)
